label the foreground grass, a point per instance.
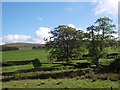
(61, 83)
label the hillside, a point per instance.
(23, 46)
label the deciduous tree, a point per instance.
(99, 34)
(66, 43)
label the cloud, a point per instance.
(115, 35)
(40, 18)
(16, 38)
(106, 7)
(71, 25)
(41, 33)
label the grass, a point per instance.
(41, 54)
(30, 66)
(16, 68)
(65, 82)
(61, 83)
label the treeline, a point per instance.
(7, 48)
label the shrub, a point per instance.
(114, 65)
(36, 63)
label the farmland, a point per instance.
(25, 55)
(51, 75)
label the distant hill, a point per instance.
(23, 46)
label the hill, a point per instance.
(23, 46)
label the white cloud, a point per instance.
(42, 33)
(71, 25)
(40, 18)
(115, 35)
(107, 7)
(16, 38)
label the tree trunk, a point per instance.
(96, 62)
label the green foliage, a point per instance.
(36, 63)
(99, 36)
(66, 43)
(114, 65)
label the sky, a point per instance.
(31, 21)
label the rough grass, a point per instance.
(15, 68)
(61, 83)
(41, 54)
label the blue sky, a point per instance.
(30, 21)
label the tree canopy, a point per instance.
(66, 43)
(99, 35)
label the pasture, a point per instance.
(61, 83)
(41, 54)
(52, 75)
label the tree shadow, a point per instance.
(44, 76)
(66, 74)
(14, 63)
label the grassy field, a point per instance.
(61, 83)
(17, 72)
(41, 54)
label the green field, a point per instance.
(61, 83)
(41, 54)
(57, 75)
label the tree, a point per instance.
(99, 34)
(66, 43)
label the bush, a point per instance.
(114, 65)
(36, 63)
(83, 65)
